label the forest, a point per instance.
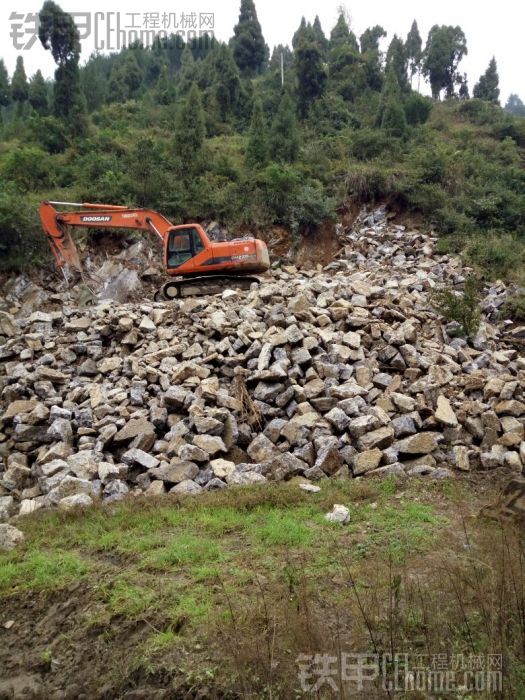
(255, 139)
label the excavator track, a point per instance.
(201, 286)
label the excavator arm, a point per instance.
(57, 225)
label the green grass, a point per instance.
(40, 570)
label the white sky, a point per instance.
(491, 29)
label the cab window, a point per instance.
(183, 245)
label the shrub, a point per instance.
(21, 241)
(497, 255)
(514, 307)
(310, 209)
(462, 308)
(417, 108)
(29, 167)
(370, 143)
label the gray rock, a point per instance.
(10, 537)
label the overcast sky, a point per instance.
(491, 28)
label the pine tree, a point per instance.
(311, 75)
(257, 147)
(391, 116)
(188, 73)
(38, 93)
(413, 50)
(515, 105)
(488, 86)
(19, 86)
(94, 80)
(342, 34)
(284, 136)
(164, 91)
(249, 48)
(397, 60)
(5, 89)
(189, 128)
(320, 37)
(299, 33)
(58, 33)
(226, 82)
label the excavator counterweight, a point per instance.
(202, 266)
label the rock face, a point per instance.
(10, 537)
(341, 372)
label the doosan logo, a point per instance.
(96, 219)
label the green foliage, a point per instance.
(391, 116)
(189, 128)
(488, 86)
(311, 75)
(50, 133)
(369, 39)
(284, 135)
(413, 50)
(20, 246)
(19, 86)
(58, 33)
(320, 37)
(226, 82)
(514, 104)
(396, 60)
(37, 93)
(417, 109)
(497, 255)
(347, 71)
(28, 167)
(5, 89)
(341, 34)
(165, 89)
(249, 48)
(463, 308)
(446, 46)
(514, 307)
(257, 148)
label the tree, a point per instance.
(348, 72)
(19, 87)
(320, 37)
(5, 89)
(487, 87)
(58, 33)
(397, 60)
(249, 48)
(164, 91)
(284, 136)
(463, 88)
(226, 83)
(369, 39)
(257, 147)
(515, 105)
(299, 33)
(311, 75)
(413, 51)
(391, 116)
(93, 81)
(342, 34)
(443, 52)
(188, 73)
(38, 93)
(189, 127)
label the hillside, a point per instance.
(310, 488)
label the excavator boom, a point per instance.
(187, 250)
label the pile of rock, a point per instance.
(345, 371)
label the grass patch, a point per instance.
(40, 570)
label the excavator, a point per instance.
(200, 266)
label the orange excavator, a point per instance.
(202, 266)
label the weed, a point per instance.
(463, 308)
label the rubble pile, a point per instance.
(343, 372)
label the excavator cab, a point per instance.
(183, 244)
